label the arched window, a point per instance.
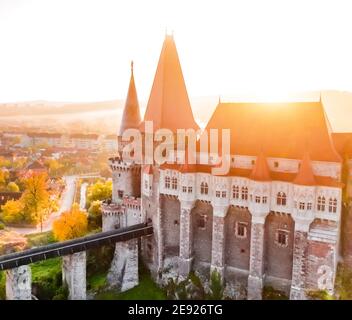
(281, 199)
(174, 183)
(332, 205)
(235, 192)
(244, 193)
(204, 188)
(167, 182)
(321, 204)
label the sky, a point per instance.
(80, 50)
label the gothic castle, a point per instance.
(273, 220)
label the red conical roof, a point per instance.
(305, 175)
(131, 117)
(260, 170)
(168, 106)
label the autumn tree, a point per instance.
(71, 224)
(13, 187)
(99, 191)
(13, 212)
(94, 214)
(36, 196)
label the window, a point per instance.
(120, 194)
(253, 162)
(223, 194)
(201, 221)
(217, 194)
(244, 194)
(146, 184)
(189, 189)
(241, 229)
(309, 206)
(174, 183)
(282, 238)
(184, 189)
(265, 199)
(257, 199)
(332, 205)
(301, 206)
(235, 192)
(167, 182)
(281, 199)
(321, 204)
(276, 164)
(204, 188)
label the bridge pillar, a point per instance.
(123, 273)
(19, 283)
(74, 275)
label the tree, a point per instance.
(36, 197)
(13, 187)
(4, 176)
(54, 166)
(94, 212)
(216, 286)
(13, 211)
(71, 224)
(99, 191)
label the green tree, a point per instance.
(94, 214)
(99, 191)
(216, 286)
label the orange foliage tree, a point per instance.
(71, 224)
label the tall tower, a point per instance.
(126, 175)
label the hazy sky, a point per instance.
(80, 50)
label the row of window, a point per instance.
(240, 228)
(281, 198)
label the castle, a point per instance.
(273, 220)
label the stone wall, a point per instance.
(74, 275)
(237, 249)
(123, 272)
(19, 283)
(278, 258)
(202, 237)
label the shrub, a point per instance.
(269, 293)
(216, 286)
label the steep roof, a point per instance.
(169, 106)
(260, 170)
(343, 143)
(281, 130)
(305, 175)
(131, 117)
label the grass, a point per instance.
(96, 282)
(40, 239)
(46, 269)
(146, 290)
(2, 285)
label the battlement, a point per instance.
(118, 164)
(131, 202)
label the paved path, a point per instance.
(66, 202)
(83, 198)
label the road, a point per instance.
(66, 202)
(83, 198)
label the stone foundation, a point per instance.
(74, 275)
(19, 283)
(123, 273)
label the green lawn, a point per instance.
(146, 290)
(46, 269)
(2, 285)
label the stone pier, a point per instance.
(218, 243)
(19, 283)
(186, 240)
(123, 273)
(74, 275)
(256, 265)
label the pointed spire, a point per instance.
(169, 106)
(260, 170)
(305, 175)
(131, 117)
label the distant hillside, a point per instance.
(47, 108)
